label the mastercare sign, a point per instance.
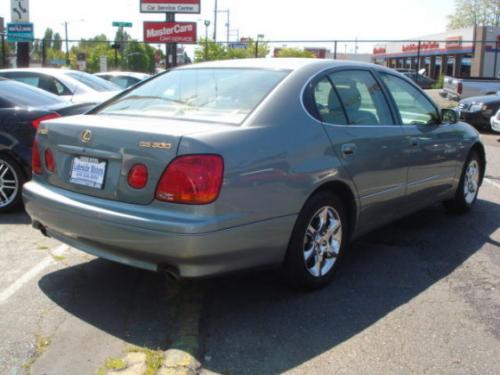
(170, 32)
(173, 6)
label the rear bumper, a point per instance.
(139, 241)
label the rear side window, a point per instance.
(362, 97)
(25, 96)
(27, 78)
(414, 108)
(327, 103)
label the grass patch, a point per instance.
(112, 364)
(58, 258)
(154, 359)
(41, 345)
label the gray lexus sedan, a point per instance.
(223, 166)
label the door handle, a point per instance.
(348, 149)
(414, 141)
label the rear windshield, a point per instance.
(96, 83)
(206, 94)
(22, 95)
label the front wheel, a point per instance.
(468, 188)
(317, 242)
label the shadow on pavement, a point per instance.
(253, 323)
(18, 216)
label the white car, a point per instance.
(73, 85)
(495, 122)
(123, 79)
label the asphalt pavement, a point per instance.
(421, 295)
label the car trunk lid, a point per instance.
(109, 146)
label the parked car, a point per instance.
(419, 78)
(462, 88)
(22, 108)
(478, 110)
(75, 86)
(205, 177)
(123, 79)
(495, 122)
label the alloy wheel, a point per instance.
(9, 184)
(322, 241)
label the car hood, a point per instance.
(486, 99)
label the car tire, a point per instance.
(317, 243)
(468, 187)
(11, 182)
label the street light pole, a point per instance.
(207, 23)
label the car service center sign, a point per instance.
(170, 32)
(170, 6)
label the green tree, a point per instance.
(294, 52)
(49, 33)
(475, 13)
(139, 57)
(208, 50)
(57, 43)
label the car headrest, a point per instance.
(350, 95)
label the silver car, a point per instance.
(222, 166)
(72, 85)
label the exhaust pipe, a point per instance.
(42, 228)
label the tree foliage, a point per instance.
(57, 42)
(208, 50)
(474, 13)
(294, 52)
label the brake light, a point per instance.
(50, 161)
(138, 176)
(192, 179)
(36, 122)
(36, 165)
(460, 87)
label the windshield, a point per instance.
(222, 95)
(96, 83)
(21, 95)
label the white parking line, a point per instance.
(495, 184)
(20, 282)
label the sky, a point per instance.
(275, 19)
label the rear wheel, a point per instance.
(468, 188)
(317, 242)
(11, 181)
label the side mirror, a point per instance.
(449, 116)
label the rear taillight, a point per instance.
(138, 176)
(50, 162)
(36, 164)
(460, 87)
(36, 122)
(192, 179)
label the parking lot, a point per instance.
(421, 295)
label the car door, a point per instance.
(431, 148)
(358, 120)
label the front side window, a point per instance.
(414, 108)
(328, 104)
(225, 95)
(362, 97)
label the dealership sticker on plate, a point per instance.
(88, 172)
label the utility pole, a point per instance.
(67, 45)
(170, 48)
(215, 22)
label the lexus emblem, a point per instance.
(86, 136)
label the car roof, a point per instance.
(280, 64)
(127, 74)
(49, 71)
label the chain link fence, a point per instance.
(435, 58)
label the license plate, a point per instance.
(88, 172)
